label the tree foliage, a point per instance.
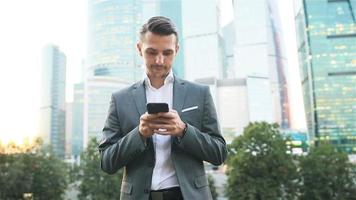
(35, 171)
(327, 174)
(212, 187)
(259, 166)
(93, 183)
(50, 178)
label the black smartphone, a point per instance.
(153, 108)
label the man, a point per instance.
(162, 154)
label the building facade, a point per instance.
(326, 38)
(112, 33)
(77, 119)
(202, 40)
(52, 109)
(258, 52)
(97, 96)
(240, 101)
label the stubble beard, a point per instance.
(164, 67)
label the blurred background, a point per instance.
(290, 63)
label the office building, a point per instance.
(326, 38)
(97, 97)
(52, 109)
(258, 52)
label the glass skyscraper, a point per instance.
(173, 10)
(326, 37)
(96, 104)
(114, 30)
(202, 41)
(52, 110)
(258, 52)
(77, 119)
(113, 33)
(241, 101)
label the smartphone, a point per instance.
(153, 108)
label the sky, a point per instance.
(27, 26)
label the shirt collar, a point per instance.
(169, 79)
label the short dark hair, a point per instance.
(159, 25)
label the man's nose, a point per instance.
(159, 59)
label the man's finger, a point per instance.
(168, 115)
(160, 126)
(160, 121)
(149, 116)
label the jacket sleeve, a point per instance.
(117, 149)
(206, 144)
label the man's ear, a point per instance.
(177, 48)
(138, 46)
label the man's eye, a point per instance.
(168, 53)
(151, 53)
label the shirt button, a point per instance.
(146, 190)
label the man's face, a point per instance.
(158, 53)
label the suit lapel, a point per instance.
(179, 91)
(139, 97)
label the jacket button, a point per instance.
(146, 191)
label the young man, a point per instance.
(162, 154)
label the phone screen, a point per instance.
(153, 108)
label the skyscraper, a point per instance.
(228, 44)
(52, 110)
(173, 10)
(112, 58)
(68, 129)
(77, 119)
(97, 96)
(326, 38)
(113, 27)
(240, 101)
(113, 33)
(258, 52)
(202, 47)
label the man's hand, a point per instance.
(172, 125)
(168, 123)
(146, 122)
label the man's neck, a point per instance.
(157, 82)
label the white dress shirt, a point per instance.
(164, 174)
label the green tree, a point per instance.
(13, 179)
(259, 166)
(212, 186)
(34, 171)
(93, 182)
(50, 177)
(327, 174)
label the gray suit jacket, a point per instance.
(122, 145)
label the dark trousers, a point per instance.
(166, 194)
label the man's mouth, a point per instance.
(158, 66)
